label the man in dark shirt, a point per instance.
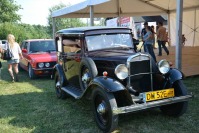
(144, 32)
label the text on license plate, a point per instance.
(161, 94)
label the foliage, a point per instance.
(8, 10)
(23, 31)
(62, 23)
(30, 106)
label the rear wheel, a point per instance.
(176, 109)
(88, 71)
(58, 84)
(102, 105)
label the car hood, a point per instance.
(44, 56)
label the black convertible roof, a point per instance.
(81, 30)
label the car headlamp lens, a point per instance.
(41, 65)
(121, 71)
(47, 64)
(163, 66)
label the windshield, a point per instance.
(42, 46)
(108, 41)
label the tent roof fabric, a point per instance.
(123, 8)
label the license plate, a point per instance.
(160, 94)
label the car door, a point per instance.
(71, 66)
(24, 61)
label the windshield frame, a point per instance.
(109, 41)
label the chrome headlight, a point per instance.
(41, 65)
(163, 66)
(47, 64)
(121, 71)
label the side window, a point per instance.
(24, 45)
(71, 45)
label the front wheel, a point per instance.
(102, 105)
(31, 72)
(176, 109)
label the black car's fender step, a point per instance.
(73, 91)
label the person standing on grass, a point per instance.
(16, 52)
(148, 42)
(162, 38)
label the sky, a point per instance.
(37, 11)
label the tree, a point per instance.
(23, 31)
(62, 23)
(8, 10)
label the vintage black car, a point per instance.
(100, 64)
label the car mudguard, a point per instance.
(59, 69)
(174, 75)
(108, 84)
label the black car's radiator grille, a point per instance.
(139, 67)
(140, 73)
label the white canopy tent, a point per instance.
(124, 8)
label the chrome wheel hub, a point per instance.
(85, 78)
(101, 108)
(58, 84)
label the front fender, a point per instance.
(174, 75)
(108, 84)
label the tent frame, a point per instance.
(178, 25)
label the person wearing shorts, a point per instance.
(16, 55)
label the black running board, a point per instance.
(73, 91)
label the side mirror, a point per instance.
(24, 51)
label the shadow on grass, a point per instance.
(42, 112)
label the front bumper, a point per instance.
(137, 107)
(43, 71)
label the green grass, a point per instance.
(31, 106)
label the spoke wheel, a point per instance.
(86, 77)
(88, 71)
(102, 104)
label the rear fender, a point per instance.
(59, 69)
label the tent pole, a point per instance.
(179, 9)
(53, 26)
(194, 32)
(118, 10)
(91, 15)
(169, 29)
